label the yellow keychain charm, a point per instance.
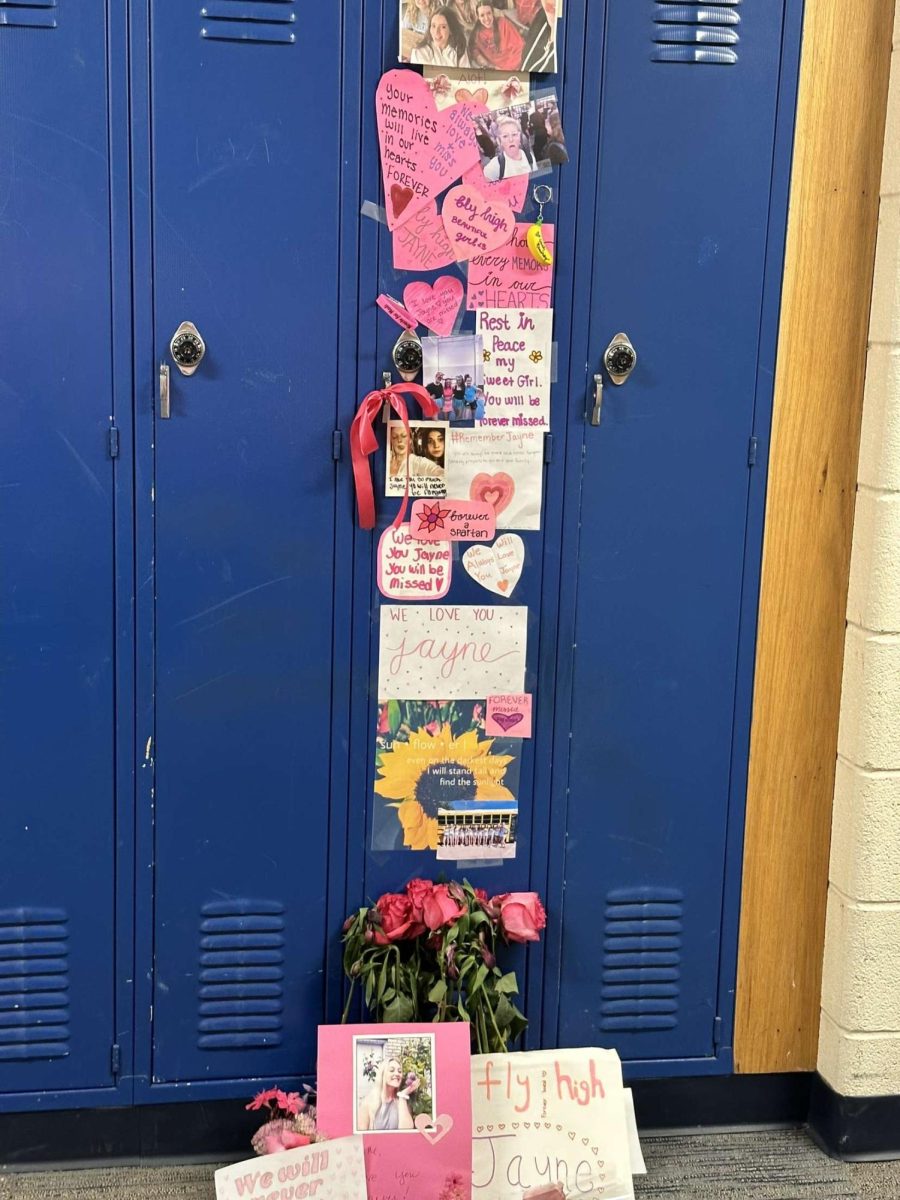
(534, 238)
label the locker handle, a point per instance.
(598, 399)
(165, 408)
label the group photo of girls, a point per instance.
(505, 35)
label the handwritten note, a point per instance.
(422, 151)
(513, 191)
(550, 1123)
(502, 467)
(518, 348)
(510, 277)
(435, 306)
(499, 567)
(496, 89)
(333, 1170)
(410, 569)
(508, 716)
(455, 651)
(453, 520)
(474, 223)
(421, 243)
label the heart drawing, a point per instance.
(508, 721)
(499, 567)
(423, 151)
(496, 490)
(475, 223)
(436, 1130)
(435, 306)
(479, 96)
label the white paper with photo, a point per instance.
(495, 89)
(550, 1117)
(518, 352)
(425, 450)
(504, 467)
(458, 652)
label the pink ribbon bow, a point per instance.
(363, 442)
(440, 85)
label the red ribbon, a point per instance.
(440, 85)
(363, 442)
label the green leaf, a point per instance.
(400, 1009)
(480, 976)
(504, 1013)
(394, 716)
(438, 992)
(508, 984)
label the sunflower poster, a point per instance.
(441, 784)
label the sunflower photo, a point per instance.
(445, 786)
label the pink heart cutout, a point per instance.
(512, 191)
(422, 150)
(436, 1130)
(435, 306)
(507, 721)
(474, 223)
(496, 490)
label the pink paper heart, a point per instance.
(423, 151)
(508, 721)
(421, 243)
(496, 490)
(436, 1130)
(512, 191)
(474, 223)
(436, 306)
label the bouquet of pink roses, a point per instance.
(291, 1120)
(429, 953)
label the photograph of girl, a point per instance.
(393, 1083)
(499, 35)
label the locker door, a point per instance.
(246, 173)
(57, 700)
(687, 151)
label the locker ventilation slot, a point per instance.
(32, 14)
(641, 959)
(249, 21)
(241, 975)
(696, 33)
(34, 983)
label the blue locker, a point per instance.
(190, 632)
(64, 352)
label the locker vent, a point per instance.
(641, 959)
(34, 983)
(695, 32)
(241, 974)
(249, 21)
(34, 14)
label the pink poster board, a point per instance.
(407, 1090)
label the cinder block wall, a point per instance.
(859, 1046)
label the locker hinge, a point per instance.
(337, 445)
(717, 1033)
(113, 442)
(548, 447)
(115, 1058)
(751, 452)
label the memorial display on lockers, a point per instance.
(468, 151)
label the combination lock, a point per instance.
(620, 358)
(187, 348)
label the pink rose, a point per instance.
(418, 890)
(440, 908)
(396, 918)
(522, 915)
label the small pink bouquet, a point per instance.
(291, 1120)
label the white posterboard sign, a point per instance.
(333, 1170)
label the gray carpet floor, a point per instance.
(760, 1165)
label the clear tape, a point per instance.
(370, 209)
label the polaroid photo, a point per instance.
(423, 452)
(453, 371)
(504, 35)
(394, 1083)
(521, 139)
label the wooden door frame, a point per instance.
(832, 223)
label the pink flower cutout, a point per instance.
(432, 517)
